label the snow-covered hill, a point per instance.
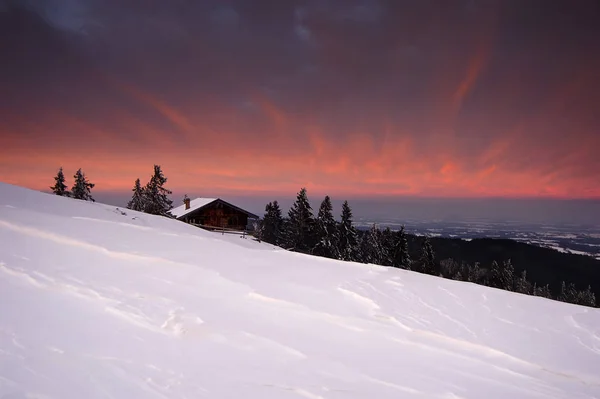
(97, 302)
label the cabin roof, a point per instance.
(199, 203)
(195, 204)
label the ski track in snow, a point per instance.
(179, 326)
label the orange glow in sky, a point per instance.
(469, 102)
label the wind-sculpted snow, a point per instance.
(99, 302)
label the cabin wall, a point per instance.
(218, 215)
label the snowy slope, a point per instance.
(98, 304)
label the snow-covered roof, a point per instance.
(196, 203)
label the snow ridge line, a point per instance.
(64, 240)
(360, 298)
(133, 226)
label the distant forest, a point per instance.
(498, 263)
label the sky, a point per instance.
(351, 98)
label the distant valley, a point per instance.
(575, 239)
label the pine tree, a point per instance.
(401, 257)
(300, 227)
(272, 224)
(137, 199)
(458, 276)
(370, 246)
(523, 286)
(568, 293)
(156, 198)
(60, 188)
(427, 258)
(543, 292)
(326, 233)
(449, 268)
(82, 187)
(495, 279)
(278, 223)
(507, 275)
(474, 273)
(587, 297)
(562, 296)
(387, 247)
(572, 293)
(348, 237)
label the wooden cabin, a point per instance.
(214, 213)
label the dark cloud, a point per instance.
(471, 85)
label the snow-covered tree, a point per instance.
(300, 226)
(459, 276)
(449, 268)
(495, 279)
(370, 246)
(544, 291)
(60, 187)
(348, 238)
(562, 296)
(156, 198)
(587, 297)
(427, 258)
(272, 224)
(401, 257)
(568, 293)
(523, 286)
(82, 187)
(137, 202)
(507, 272)
(474, 273)
(326, 232)
(387, 246)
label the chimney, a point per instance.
(186, 201)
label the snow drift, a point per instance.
(101, 302)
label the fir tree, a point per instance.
(568, 293)
(562, 296)
(427, 259)
(587, 297)
(543, 292)
(156, 198)
(449, 268)
(523, 286)
(474, 273)
(572, 293)
(507, 276)
(326, 234)
(278, 223)
(137, 199)
(387, 247)
(348, 239)
(495, 279)
(458, 276)
(300, 226)
(60, 188)
(370, 247)
(401, 257)
(272, 224)
(82, 187)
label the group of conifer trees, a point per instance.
(153, 198)
(502, 275)
(81, 190)
(322, 235)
